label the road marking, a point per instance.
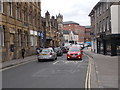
(16, 65)
(87, 81)
(55, 62)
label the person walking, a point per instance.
(23, 53)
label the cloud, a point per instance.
(72, 10)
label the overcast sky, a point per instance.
(72, 10)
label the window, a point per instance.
(2, 35)
(19, 37)
(108, 23)
(26, 38)
(10, 8)
(104, 25)
(1, 6)
(35, 41)
(107, 5)
(31, 40)
(18, 13)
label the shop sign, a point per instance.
(31, 32)
(12, 30)
(35, 33)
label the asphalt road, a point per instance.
(50, 74)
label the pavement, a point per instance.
(17, 61)
(103, 70)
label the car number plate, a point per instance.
(73, 56)
(44, 54)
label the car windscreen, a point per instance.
(74, 49)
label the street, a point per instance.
(48, 74)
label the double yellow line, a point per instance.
(88, 76)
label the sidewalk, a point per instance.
(104, 70)
(18, 61)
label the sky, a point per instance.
(72, 10)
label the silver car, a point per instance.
(47, 53)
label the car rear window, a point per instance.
(74, 49)
(46, 50)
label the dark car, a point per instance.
(65, 49)
(59, 51)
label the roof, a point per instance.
(70, 22)
(67, 32)
(87, 26)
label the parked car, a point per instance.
(59, 51)
(64, 49)
(74, 53)
(47, 53)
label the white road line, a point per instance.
(55, 62)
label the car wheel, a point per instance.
(53, 59)
(56, 58)
(39, 60)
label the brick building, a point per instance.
(73, 26)
(87, 37)
(19, 26)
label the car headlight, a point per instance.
(68, 53)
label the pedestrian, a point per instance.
(37, 50)
(23, 53)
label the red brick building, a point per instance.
(87, 37)
(73, 26)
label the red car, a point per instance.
(74, 53)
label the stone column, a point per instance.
(7, 44)
(16, 45)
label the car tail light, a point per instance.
(50, 53)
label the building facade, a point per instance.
(105, 28)
(52, 28)
(70, 36)
(73, 26)
(19, 25)
(87, 37)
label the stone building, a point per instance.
(59, 18)
(52, 35)
(105, 28)
(19, 25)
(70, 36)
